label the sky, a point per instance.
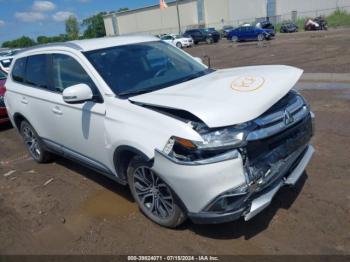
(33, 17)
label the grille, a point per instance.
(273, 157)
(273, 121)
(274, 146)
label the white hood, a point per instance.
(229, 96)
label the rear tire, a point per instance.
(179, 45)
(234, 39)
(34, 144)
(153, 196)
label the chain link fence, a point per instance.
(291, 16)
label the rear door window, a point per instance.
(18, 70)
(36, 72)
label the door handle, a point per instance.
(24, 101)
(57, 111)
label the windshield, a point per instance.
(2, 75)
(144, 67)
(6, 62)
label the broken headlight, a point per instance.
(215, 142)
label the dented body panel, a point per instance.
(229, 96)
(224, 142)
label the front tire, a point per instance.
(179, 45)
(33, 143)
(261, 37)
(153, 196)
(209, 40)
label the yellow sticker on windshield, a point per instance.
(247, 83)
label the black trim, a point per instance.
(118, 154)
(81, 159)
(215, 218)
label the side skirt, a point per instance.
(81, 159)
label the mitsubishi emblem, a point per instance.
(288, 118)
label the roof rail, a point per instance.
(65, 44)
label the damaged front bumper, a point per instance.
(254, 202)
(244, 182)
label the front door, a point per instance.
(79, 128)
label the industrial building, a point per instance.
(213, 13)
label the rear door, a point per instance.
(29, 93)
(251, 33)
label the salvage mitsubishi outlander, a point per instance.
(190, 141)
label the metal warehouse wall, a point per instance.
(155, 21)
(233, 12)
(213, 13)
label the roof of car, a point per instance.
(97, 43)
(100, 43)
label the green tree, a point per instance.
(123, 9)
(72, 28)
(94, 26)
(24, 41)
(42, 40)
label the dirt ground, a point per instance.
(315, 52)
(63, 208)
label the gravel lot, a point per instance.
(63, 208)
(315, 52)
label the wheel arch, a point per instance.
(18, 118)
(122, 156)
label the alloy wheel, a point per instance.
(260, 37)
(153, 194)
(31, 141)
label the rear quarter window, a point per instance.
(18, 70)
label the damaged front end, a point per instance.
(274, 149)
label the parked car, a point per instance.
(190, 141)
(177, 40)
(319, 23)
(225, 30)
(3, 112)
(5, 63)
(203, 35)
(245, 33)
(288, 27)
(267, 26)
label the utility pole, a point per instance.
(178, 16)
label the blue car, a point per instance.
(245, 33)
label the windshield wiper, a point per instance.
(176, 82)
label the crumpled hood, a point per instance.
(229, 96)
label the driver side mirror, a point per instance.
(198, 59)
(77, 94)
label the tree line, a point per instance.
(94, 28)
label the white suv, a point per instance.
(211, 145)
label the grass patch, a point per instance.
(339, 18)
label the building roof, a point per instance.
(169, 3)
